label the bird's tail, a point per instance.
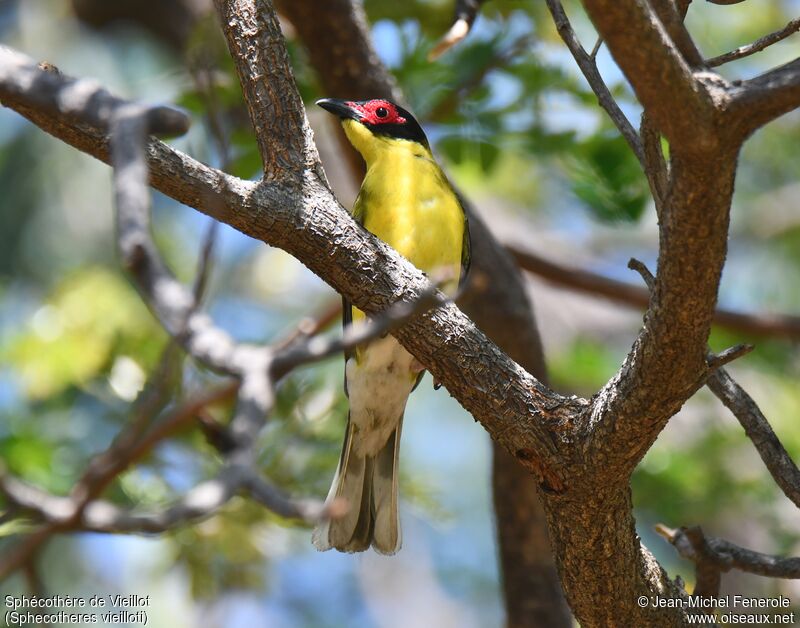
(370, 486)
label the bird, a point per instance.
(407, 201)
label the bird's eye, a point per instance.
(381, 112)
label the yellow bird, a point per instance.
(406, 201)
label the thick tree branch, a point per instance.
(667, 363)
(757, 101)
(671, 17)
(74, 99)
(337, 38)
(339, 45)
(256, 44)
(660, 75)
(373, 276)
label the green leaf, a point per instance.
(606, 176)
(69, 343)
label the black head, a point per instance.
(381, 117)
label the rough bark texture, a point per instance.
(604, 568)
(276, 110)
(581, 452)
(339, 46)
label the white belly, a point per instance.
(378, 386)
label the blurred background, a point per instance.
(521, 134)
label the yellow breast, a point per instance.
(407, 202)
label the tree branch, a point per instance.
(759, 100)
(655, 165)
(339, 45)
(588, 67)
(692, 544)
(718, 360)
(659, 74)
(715, 555)
(758, 429)
(368, 272)
(314, 350)
(757, 46)
(256, 44)
(667, 363)
(465, 14)
(625, 293)
(671, 18)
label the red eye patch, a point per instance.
(377, 112)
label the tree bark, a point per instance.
(339, 45)
(581, 452)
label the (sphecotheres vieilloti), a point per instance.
(406, 201)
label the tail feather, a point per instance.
(387, 537)
(369, 484)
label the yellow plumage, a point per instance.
(406, 201)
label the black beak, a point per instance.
(339, 108)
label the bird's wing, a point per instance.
(466, 243)
(466, 251)
(347, 307)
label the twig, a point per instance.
(596, 49)
(717, 360)
(588, 67)
(755, 424)
(203, 76)
(768, 325)
(310, 326)
(205, 261)
(316, 349)
(691, 544)
(641, 268)
(465, 14)
(721, 555)
(65, 513)
(757, 46)
(103, 467)
(33, 579)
